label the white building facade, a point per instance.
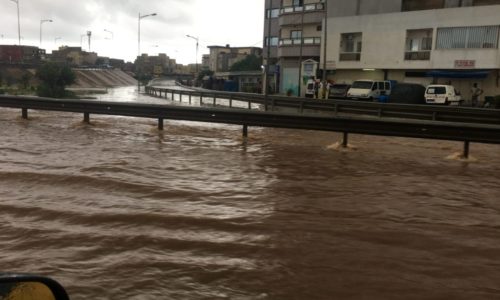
(420, 41)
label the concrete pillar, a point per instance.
(245, 131)
(466, 149)
(345, 140)
(160, 124)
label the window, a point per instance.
(296, 34)
(467, 37)
(298, 2)
(272, 13)
(485, 2)
(410, 5)
(273, 41)
(426, 44)
(350, 46)
(439, 90)
(365, 85)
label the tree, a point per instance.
(25, 79)
(249, 63)
(204, 73)
(54, 79)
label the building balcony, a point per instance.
(314, 13)
(418, 55)
(350, 56)
(307, 47)
(305, 41)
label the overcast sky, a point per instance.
(215, 22)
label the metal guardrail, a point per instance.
(360, 124)
(339, 107)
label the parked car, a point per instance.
(369, 89)
(408, 93)
(442, 94)
(338, 91)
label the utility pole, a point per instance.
(325, 39)
(18, 21)
(301, 45)
(41, 23)
(139, 48)
(268, 42)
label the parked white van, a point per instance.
(369, 89)
(442, 94)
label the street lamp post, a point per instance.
(139, 31)
(18, 21)
(110, 32)
(41, 22)
(197, 42)
(139, 47)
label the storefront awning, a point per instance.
(458, 74)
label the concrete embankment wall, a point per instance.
(97, 78)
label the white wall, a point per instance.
(384, 38)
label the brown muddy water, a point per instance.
(118, 210)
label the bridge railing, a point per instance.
(334, 107)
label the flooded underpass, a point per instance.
(116, 209)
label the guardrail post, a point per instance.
(201, 99)
(160, 124)
(180, 96)
(466, 149)
(24, 113)
(301, 108)
(345, 140)
(173, 96)
(434, 116)
(214, 104)
(249, 104)
(245, 130)
(273, 102)
(231, 101)
(189, 98)
(86, 117)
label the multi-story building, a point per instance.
(205, 62)
(221, 58)
(14, 54)
(155, 65)
(292, 42)
(74, 56)
(418, 41)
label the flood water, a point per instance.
(118, 210)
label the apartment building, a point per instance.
(221, 58)
(418, 41)
(292, 42)
(155, 65)
(14, 54)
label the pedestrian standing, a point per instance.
(476, 93)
